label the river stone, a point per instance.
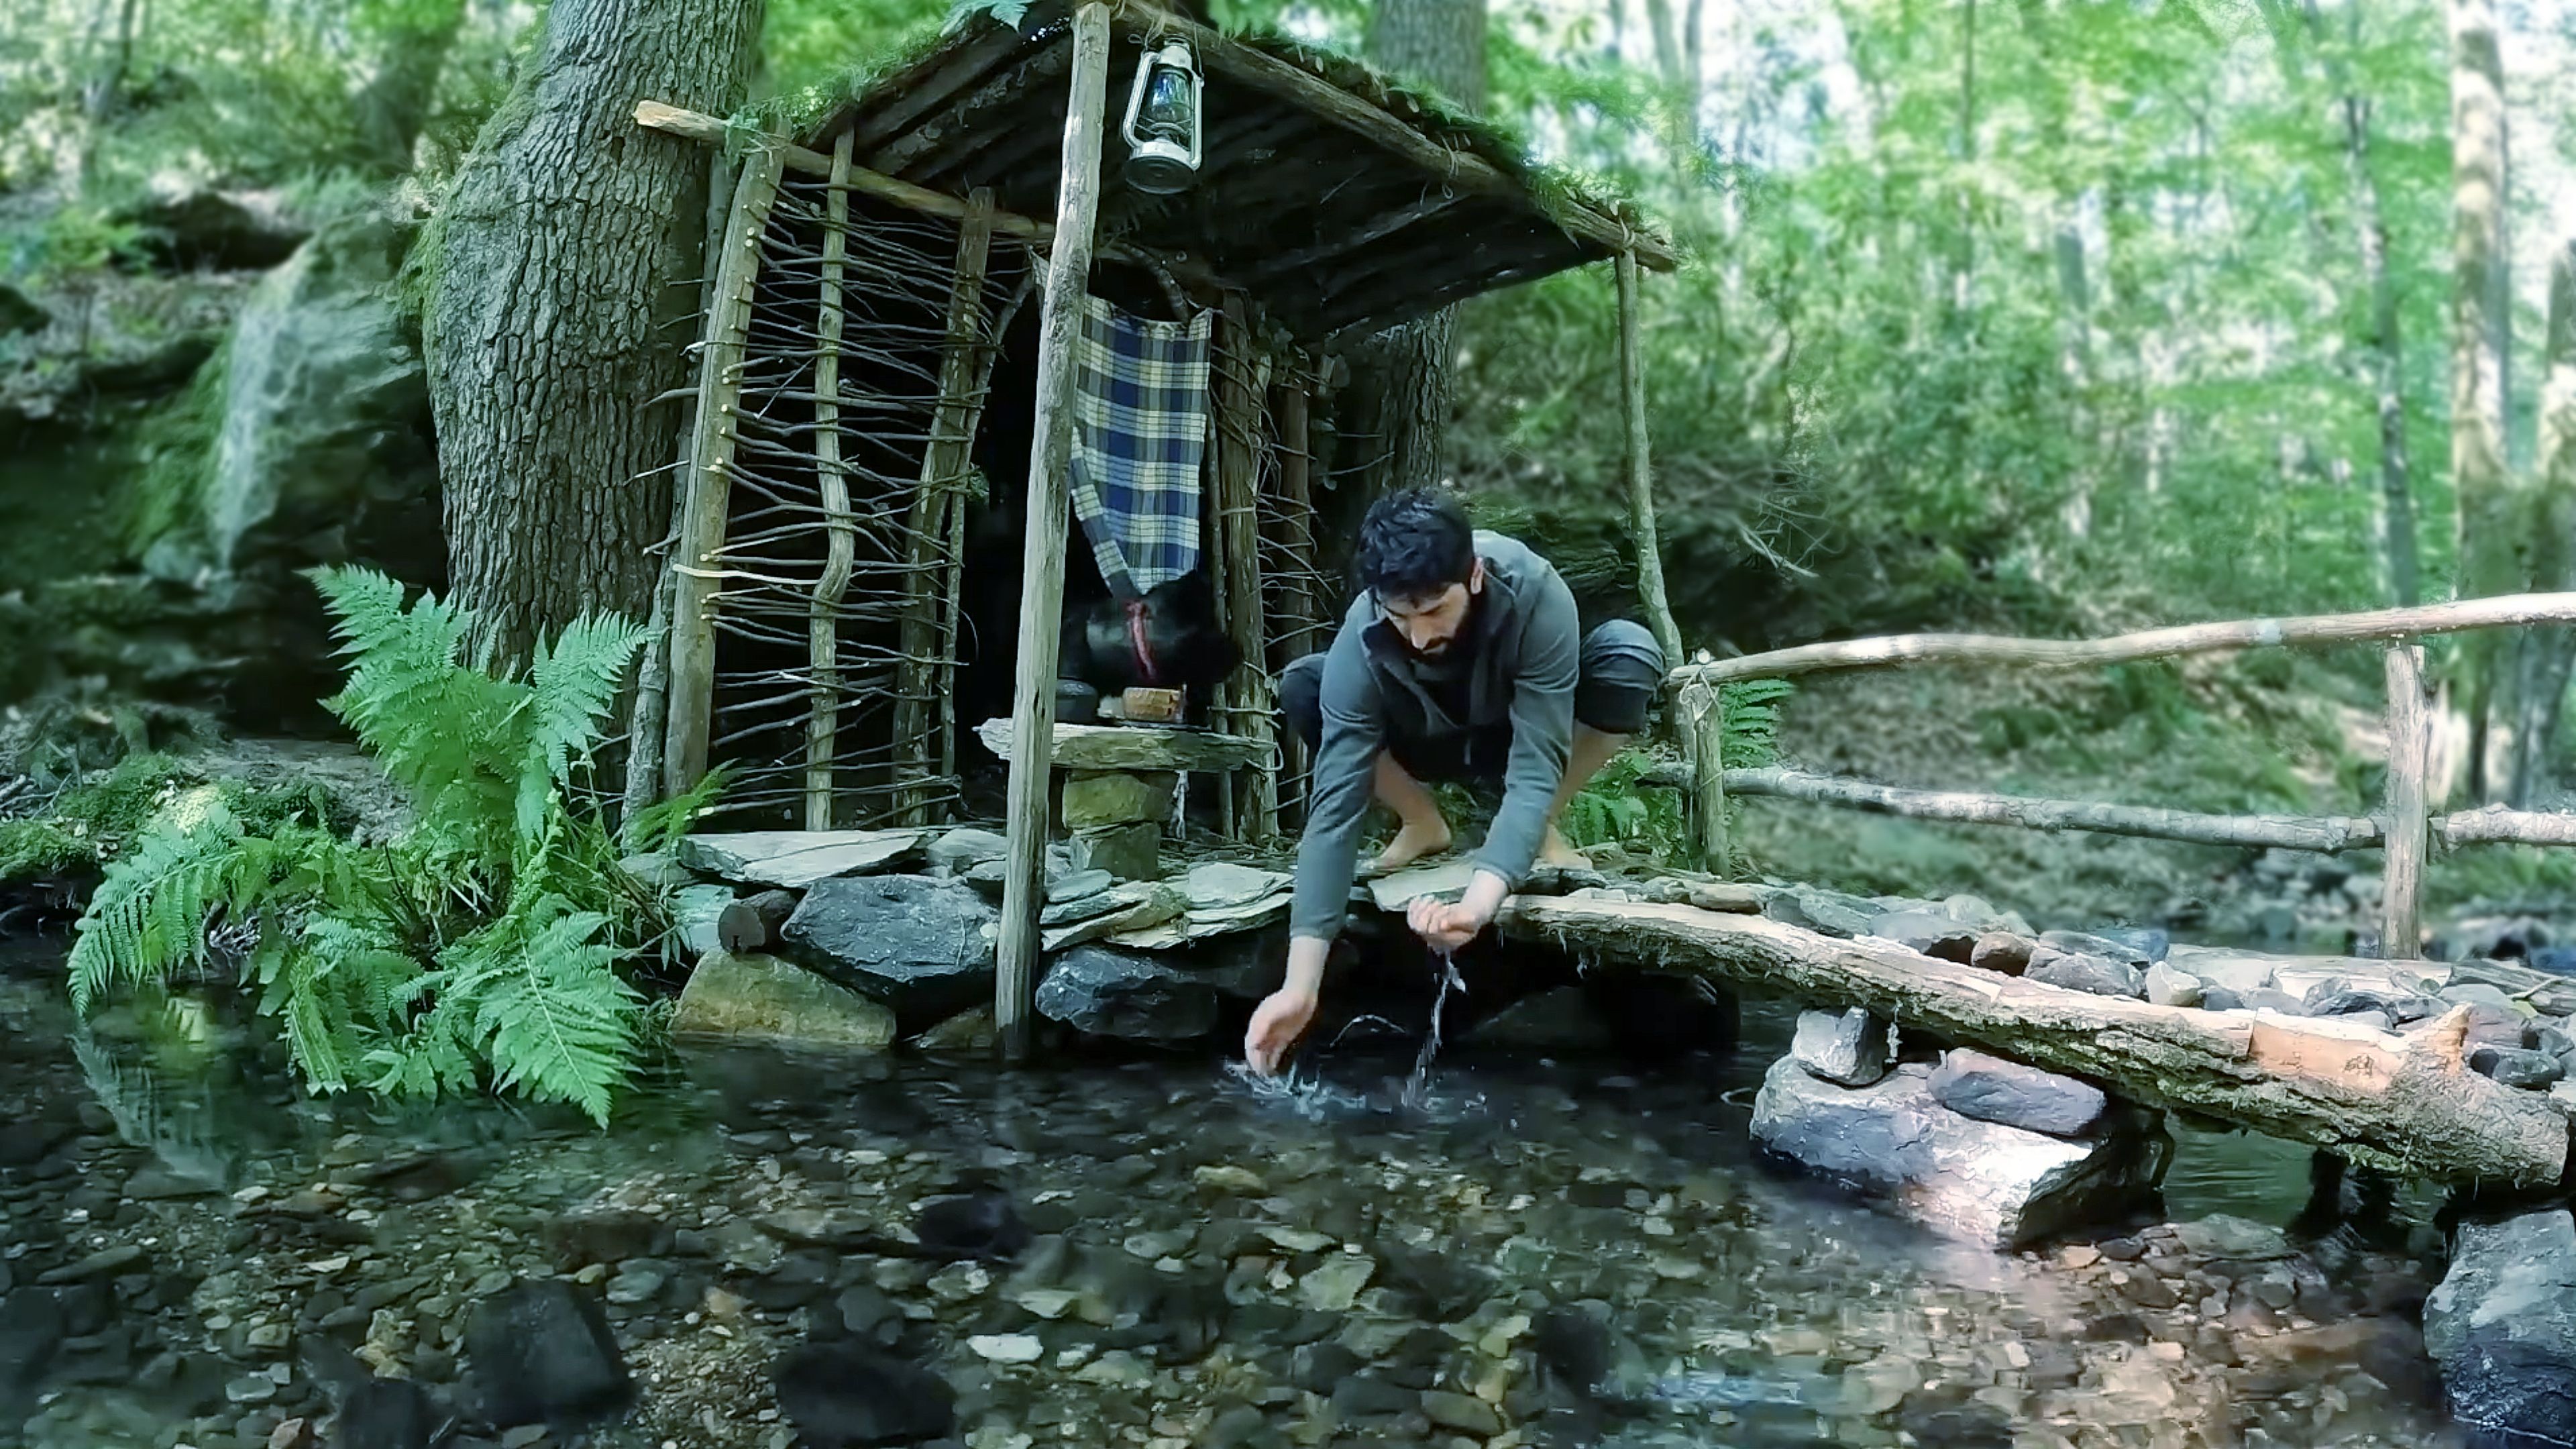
(923, 946)
(2002, 952)
(2395, 1005)
(1560, 1018)
(1934, 933)
(2108, 946)
(971, 1030)
(1075, 893)
(762, 998)
(2515, 1067)
(2226, 1236)
(540, 1351)
(1335, 1283)
(1129, 852)
(2502, 1326)
(1829, 913)
(1119, 993)
(31, 1333)
(1131, 907)
(795, 859)
(2099, 975)
(1096, 798)
(840, 1394)
(1980, 1182)
(966, 847)
(1991, 1089)
(1220, 885)
(1848, 1048)
(2168, 987)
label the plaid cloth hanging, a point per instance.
(1139, 434)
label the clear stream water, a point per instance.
(1470, 1254)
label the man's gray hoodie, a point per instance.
(1523, 664)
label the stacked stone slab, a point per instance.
(1979, 1149)
(1116, 819)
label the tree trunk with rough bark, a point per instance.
(2556, 487)
(1396, 410)
(2491, 532)
(565, 268)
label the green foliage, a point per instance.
(177, 443)
(1749, 721)
(94, 821)
(1614, 809)
(484, 942)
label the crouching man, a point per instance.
(1461, 660)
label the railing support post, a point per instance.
(1704, 707)
(2401, 895)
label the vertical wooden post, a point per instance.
(1705, 705)
(2402, 874)
(823, 624)
(1296, 543)
(943, 464)
(649, 726)
(1042, 575)
(1641, 486)
(1238, 510)
(708, 481)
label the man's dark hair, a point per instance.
(1414, 542)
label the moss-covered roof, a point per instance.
(1343, 198)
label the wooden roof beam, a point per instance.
(698, 126)
(1463, 170)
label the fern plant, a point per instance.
(482, 946)
(1749, 721)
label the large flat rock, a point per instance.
(765, 1000)
(1980, 1182)
(1122, 994)
(921, 945)
(2502, 1325)
(795, 859)
(1135, 747)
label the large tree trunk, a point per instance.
(565, 268)
(2491, 535)
(1395, 415)
(2556, 511)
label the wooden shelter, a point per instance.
(873, 503)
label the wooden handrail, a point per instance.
(2374, 625)
(2492, 825)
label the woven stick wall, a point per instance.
(871, 343)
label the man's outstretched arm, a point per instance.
(1336, 804)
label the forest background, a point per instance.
(2057, 318)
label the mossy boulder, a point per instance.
(763, 999)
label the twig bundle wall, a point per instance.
(871, 337)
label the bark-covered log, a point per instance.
(2367, 1095)
(560, 292)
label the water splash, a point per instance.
(1417, 1095)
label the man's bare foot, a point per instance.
(1412, 843)
(1556, 854)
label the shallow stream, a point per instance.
(1507, 1254)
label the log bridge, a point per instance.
(2409, 1104)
